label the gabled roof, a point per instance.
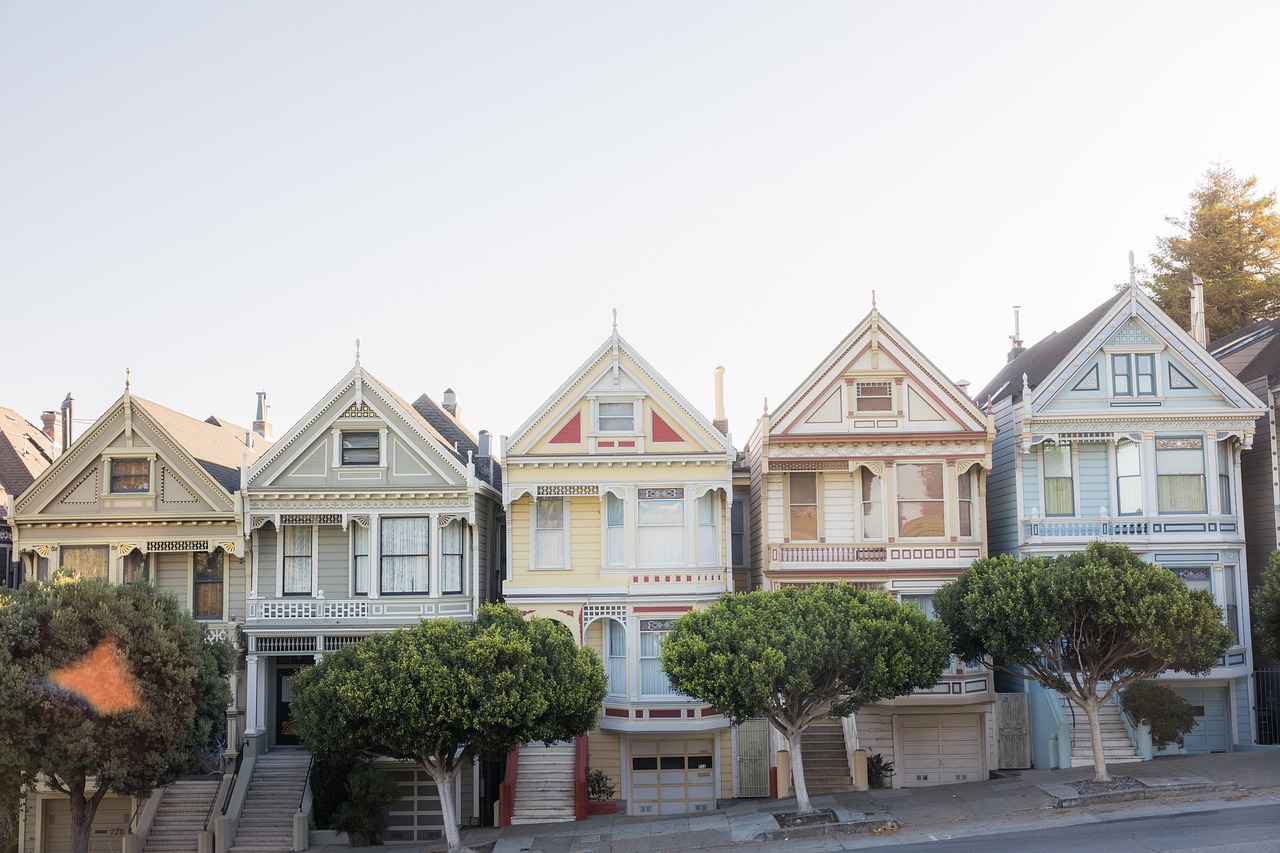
(25, 452)
(456, 435)
(216, 443)
(1043, 358)
(1252, 352)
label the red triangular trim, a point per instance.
(662, 431)
(570, 433)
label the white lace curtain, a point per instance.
(452, 545)
(404, 554)
(297, 559)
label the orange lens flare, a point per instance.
(101, 679)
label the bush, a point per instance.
(879, 771)
(1169, 715)
(328, 788)
(364, 814)
(599, 786)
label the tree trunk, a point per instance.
(1091, 708)
(803, 806)
(83, 810)
(446, 784)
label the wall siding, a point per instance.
(584, 533)
(1259, 509)
(838, 510)
(173, 577)
(265, 542)
(875, 733)
(774, 490)
(1093, 465)
(333, 552)
(1002, 500)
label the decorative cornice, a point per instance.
(327, 504)
(880, 449)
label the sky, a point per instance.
(222, 197)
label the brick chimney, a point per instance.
(720, 422)
(51, 424)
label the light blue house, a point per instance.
(1122, 427)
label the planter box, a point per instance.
(602, 807)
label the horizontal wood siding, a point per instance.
(584, 534)
(235, 580)
(756, 518)
(1002, 501)
(1093, 464)
(173, 577)
(774, 490)
(838, 512)
(1032, 496)
(1260, 520)
(518, 523)
(265, 542)
(334, 551)
(604, 753)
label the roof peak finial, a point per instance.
(615, 321)
(127, 381)
(357, 352)
(873, 299)
(1133, 271)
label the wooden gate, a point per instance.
(1014, 740)
(753, 758)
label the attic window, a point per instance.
(617, 417)
(360, 448)
(130, 475)
(874, 396)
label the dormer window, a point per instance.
(617, 417)
(1133, 374)
(873, 396)
(129, 476)
(360, 448)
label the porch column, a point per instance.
(252, 716)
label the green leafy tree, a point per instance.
(444, 693)
(131, 720)
(1266, 607)
(1101, 617)
(1230, 237)
(796, 656)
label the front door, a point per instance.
(286, 732)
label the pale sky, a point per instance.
(224, 195)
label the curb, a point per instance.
(846, 827)
(1072, 800)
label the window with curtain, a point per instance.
(921, 512)
(614, 530)
(802, 498)
(964, 495)
(207, 595)
(404, 563)
(549, 546)
(136, 567)
(872, 500)
(708, 530)
(1128, 478)
(660, 527)
(1180, 474)
(85, 561)
(1230, 608)
(653, 681)
(1224, 477)
(616, 657)
(360, 557)
(130, 475)
(452, 556)
(1059, 485)
(297, 559)
(922, 600)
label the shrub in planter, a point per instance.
(599, 786)
(878, 771)
(328, 788)
(1169, 715)
(364, 814)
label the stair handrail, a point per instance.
(231, 786)
(306, 785)
(133, 821)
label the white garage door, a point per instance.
(672, 776)
(938, 749)
(110, 825)
(1210, 707)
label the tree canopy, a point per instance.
(112, 683)
(1230, 237)
(1266, 608)
(798, 655)
(444, 692)
(1101, 616)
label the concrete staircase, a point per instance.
(266, 822)
(544, 784)
(1117, 746)
(184, 805)
(826, 764)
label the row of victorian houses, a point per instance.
(617, 506)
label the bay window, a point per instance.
(614, 530)
(360, 557)
(615, 653)
(660, 527)
(1180, 483)
(872, 500)
(452, 551)
(653, 681)
(298, 553)
(921, 511)
(1128, 478)
(404, 562)
(802, 493)
(708, 530)
(549, 535)
(1059, 484)
(85, 561)
(207, 593)
(964, 495)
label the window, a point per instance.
(922, 600)
(85, 561)
(207, 595)
(653, 681)
(1224, 477)
(1229, 607)
(708, 530)
(1121, 376)
(361, 448)
(803, 495)
(1145, 373)
(550, 535)
(614, 543)
(1059, 488)
(1128, 478)
(360, 557)
(617, 417)
(1180, 474)
(130, 475)
(872, 507)
(404, 562)
(964, 494)
(738, 534)
(921, 511)
(660, 527)
(452, 550)
(1133, 373)
(873, 396)
(136, 567)
(615, 644)
(297, 559)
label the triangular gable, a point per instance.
(1137, 321)
(616, 369)
(876, 359)
(415, 452)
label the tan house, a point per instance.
(25, 453)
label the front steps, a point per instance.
(544, 784)
(1117, 746)
(266, 821)
(184, 806)
(826, 763)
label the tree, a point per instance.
(104, 682)
(1100, 617)
(444, 693)
(1266, 607)
(1230, 238)
(795, 656)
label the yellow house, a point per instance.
(618, 495)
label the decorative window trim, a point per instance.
(1073, 476)
(108, 464)
(598, 416)
(566, 513)
(1174, 444)
(280, 558)
(873, 396)
(787, 516)
(339, 452)
(218, 556)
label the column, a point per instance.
(252, 715)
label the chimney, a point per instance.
(67, 410)
(963, 385)
(450, 404)
(720, 422)
(51, 423)
(1197, 311)
(484, 444)
(260, 423)
(1018, 349)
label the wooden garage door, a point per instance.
(1210, 706)
(110, 825)
(938, 749)
(672, 776)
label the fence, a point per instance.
(1266, 692)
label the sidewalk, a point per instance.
(942, 806)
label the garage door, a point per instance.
(938, 749)
(417, 815)
(110, 825)
(672, 776)
(1210, 707)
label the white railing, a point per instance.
(1128, 527)
(388, 608)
